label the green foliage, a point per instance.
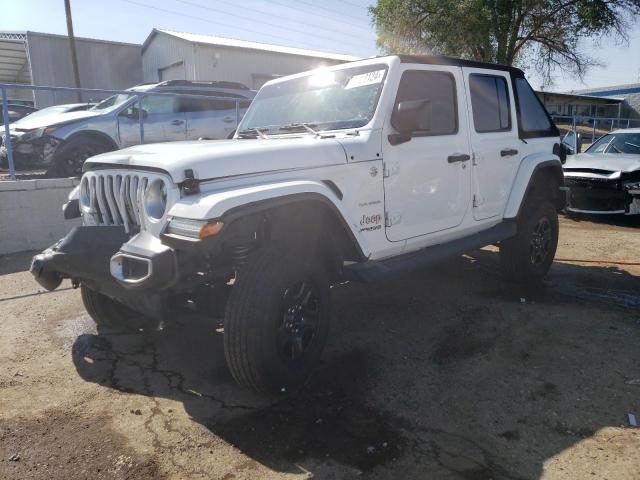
(544, 33)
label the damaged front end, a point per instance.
(603, 192)
(31, 149)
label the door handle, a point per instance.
(508, 152)
(228, 119)
(177, 122)
(458, 157)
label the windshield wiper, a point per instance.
(256, 131)
(633, 145)
(297, 126)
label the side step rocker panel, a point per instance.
(374, 270)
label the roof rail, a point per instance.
(204, 83)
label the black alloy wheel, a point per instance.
(299, 324)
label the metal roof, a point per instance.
(611, 100)
(232, 42)
(14, 64)
(611, 90)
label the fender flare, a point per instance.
(524, 179)
(234, 203)
(92, 133)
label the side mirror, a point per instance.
(569, 143)
(578, 143)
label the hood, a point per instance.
(54, 118)
(223, 158)
(603, 163)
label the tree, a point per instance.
(543, 33)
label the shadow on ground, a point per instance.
(450, 371)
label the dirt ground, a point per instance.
(446, 373)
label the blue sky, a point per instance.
(341, 26)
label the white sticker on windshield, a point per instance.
(363, 79)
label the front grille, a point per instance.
(115, 198)
(596, 194)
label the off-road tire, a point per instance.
(520, 256)
(68, 161)
(107, 312)
(258, 316)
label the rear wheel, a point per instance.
(107, 312)
(68, 161)
(528, 256)
(277, 319)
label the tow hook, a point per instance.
(48, 279)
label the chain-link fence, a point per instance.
(592, 128)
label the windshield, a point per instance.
(617, 143)
(112, 103)
(324, 99)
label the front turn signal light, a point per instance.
(210, 229)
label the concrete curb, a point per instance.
(31, 213)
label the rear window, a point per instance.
(490, 103)
(533, 116)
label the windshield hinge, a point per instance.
(190, 185)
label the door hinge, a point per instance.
(391, 219)
(477, 200)
(474, 159)
(388, 170)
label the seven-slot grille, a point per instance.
(115, 198)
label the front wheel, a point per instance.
(68, 161)
(277, 319)
(527, 257)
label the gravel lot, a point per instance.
(447, 373)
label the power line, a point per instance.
(173, 12)
(205, 7)
(355, 4)
(342, 15)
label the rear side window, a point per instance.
(204, 104)
(490, 103)
(533, 117)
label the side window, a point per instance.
(490, 103)
(439, 90)
(204, 104)
(156, 104)
(533, 117)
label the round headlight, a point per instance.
(155, 200)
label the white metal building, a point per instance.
(169, 55)
(45, 59)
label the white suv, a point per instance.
(357, 172)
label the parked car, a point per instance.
(16, 112)
(606, 178)
(62, 142)
(358, 171)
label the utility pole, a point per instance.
(72, 44)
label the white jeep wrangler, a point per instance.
(354, 172)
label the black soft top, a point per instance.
(458, 62)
